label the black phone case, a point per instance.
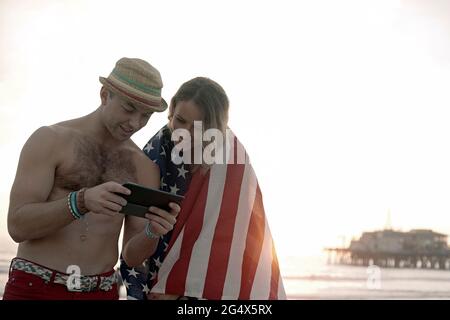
(141, 198)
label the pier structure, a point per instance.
(417, 248)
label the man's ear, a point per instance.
(171, 110)
(104, 93)
(170, 115)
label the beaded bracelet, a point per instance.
(149, 233)
(74, 213)
(72, 201)
(80, 202)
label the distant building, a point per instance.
(418, 241)
(416, 248)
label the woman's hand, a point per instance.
(161, 222)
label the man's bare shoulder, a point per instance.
(68, 127)
(49, 138)
(140, 157)
(145, 167)
(42, 146)
(45, 137)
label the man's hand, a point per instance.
(102, 198)
(161, 221)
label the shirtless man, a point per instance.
(65, 200)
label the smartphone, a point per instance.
(141, 198)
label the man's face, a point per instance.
(123, 118)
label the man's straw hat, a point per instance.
(138, 82)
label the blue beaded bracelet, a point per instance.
(72, 202)
(70, 205)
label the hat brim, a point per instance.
(142, 102)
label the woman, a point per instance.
(222, 225)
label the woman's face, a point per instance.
(184, 115)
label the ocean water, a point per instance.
(313, 278)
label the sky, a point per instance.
(342, 105)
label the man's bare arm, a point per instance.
(29, 215)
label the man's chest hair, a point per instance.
(88, 164)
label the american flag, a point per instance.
(174, 179)
(221, 247)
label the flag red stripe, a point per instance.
(193, 222)
(187, 205)
(253, 247)
(223, 234)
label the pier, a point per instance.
(424, 249)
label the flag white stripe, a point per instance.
(172, 256)
(198, 265)
(232, 284)
(261, 284)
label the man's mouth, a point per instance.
(127, 131)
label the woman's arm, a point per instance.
(141, 235)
